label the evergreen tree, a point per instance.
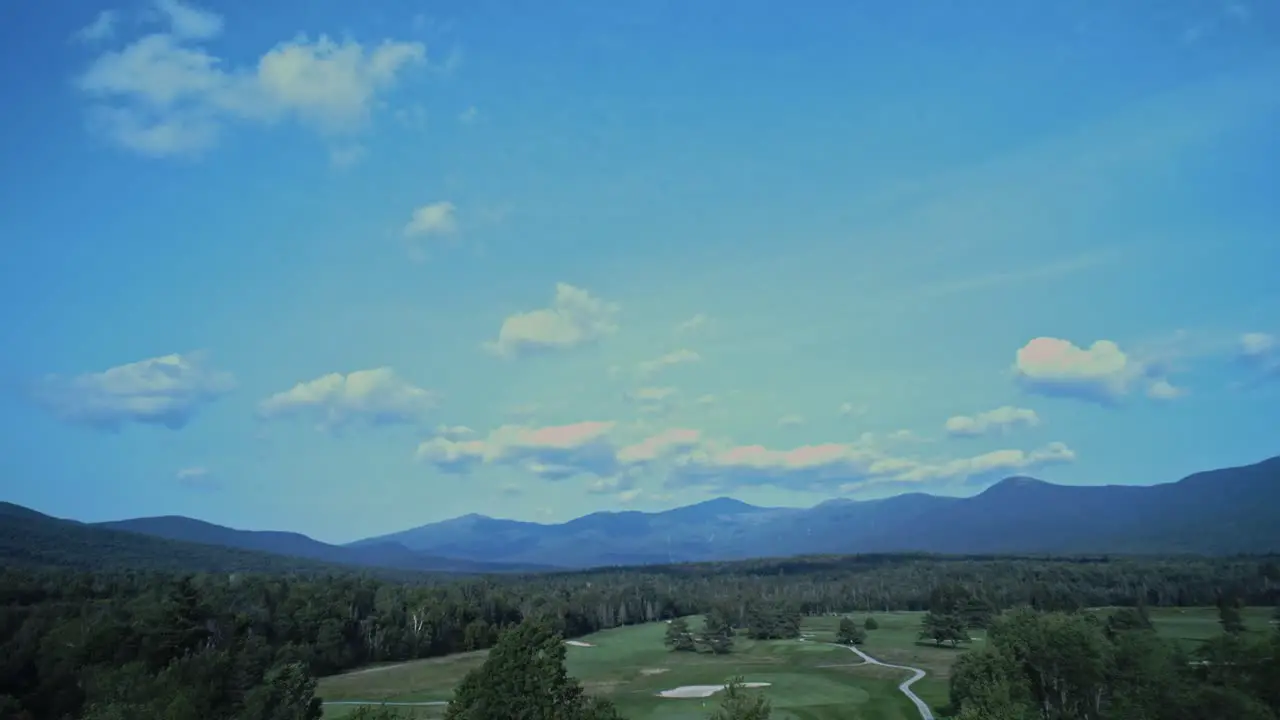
(1128, 620)
(871, 623)
(772, 621)
(740, 703)
(945, 620)
(1229, 615)
(182, 623)
(849, 633)
(524, 677)
(287, 692)
(679, 637)
(717, 634)
(976, 612)
(943, 627)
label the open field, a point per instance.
(1191, 626)
(630, 665)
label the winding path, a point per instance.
(905, 686)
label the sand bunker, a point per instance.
(652, 671)
(701, 691)
(578, 643)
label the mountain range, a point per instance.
(1217, 512)
(31, 538)
(1226, 511)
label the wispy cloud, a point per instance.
(102, 28)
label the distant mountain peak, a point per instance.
(725, 504)
(1017, 482)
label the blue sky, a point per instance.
(345, 272)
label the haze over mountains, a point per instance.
(1233, 510)
(1227, 511)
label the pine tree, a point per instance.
(717, 633)
(679, 637)
(524, 677)
(739, 703)
(288, 692)
(1229, 615)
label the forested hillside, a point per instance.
(116, 645)
(35, 540)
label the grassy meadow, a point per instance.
(630, 665)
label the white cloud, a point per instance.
(346, 156)
(188, 21)
(627, 497)
(653, 400)
(102, 28)
(1260, 351)
(164, 94)
(687, 458)
(1000, 419)
(790, 420)
(574, 318)
(1258, 345)
(1101, 373)
(166, 391)
(676, 357)
(693, 324)
(588, 449)
(377, 397)
(850, 410)
(659, 446)
(454, 431)
(434, 220)
(845, 467)
(439, 218)
(469, 116)
(196, 478)
(1162, 389)
(553, 452)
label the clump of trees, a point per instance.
(679, 637)
(773, 621)
(715, 637)
(1059, 665)
(946, 620)
(717, 633)
(849, 633)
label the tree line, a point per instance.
(126, 644)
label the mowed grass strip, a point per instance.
(415, 681)
(1192, 626)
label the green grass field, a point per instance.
(807, 681)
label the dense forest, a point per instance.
(129, 644)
